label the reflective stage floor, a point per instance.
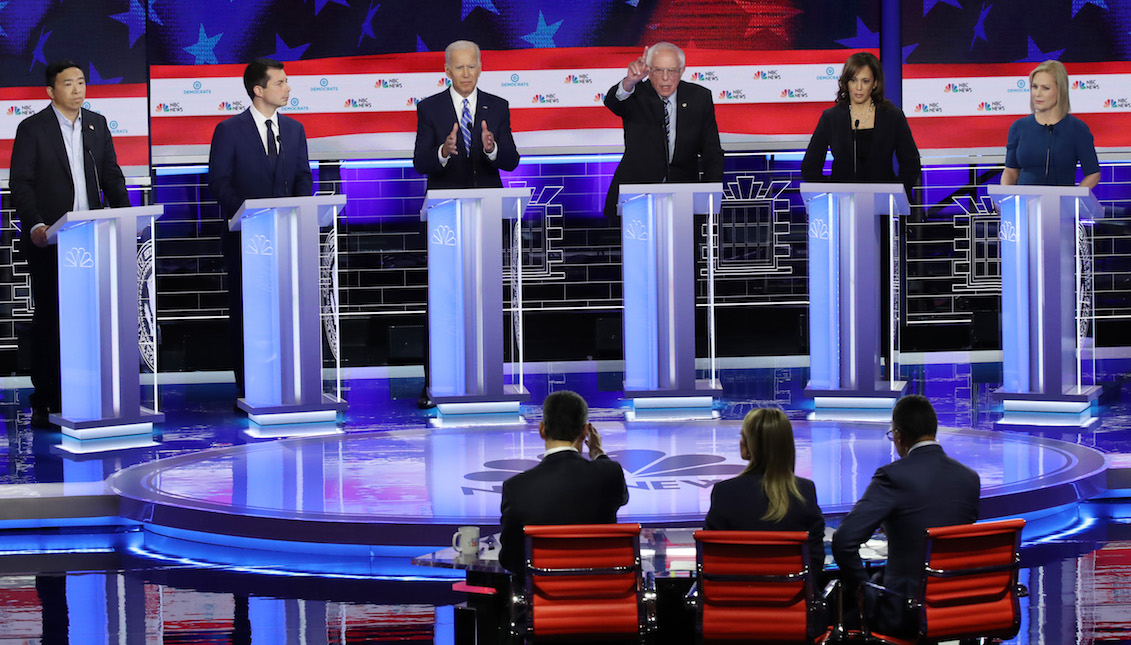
(355, 501)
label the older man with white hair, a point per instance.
(670, 133)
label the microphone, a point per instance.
(282, 158)
(97, 183)
(1048, 153)
(855, 170)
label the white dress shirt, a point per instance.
(457, 103)
(261, 123)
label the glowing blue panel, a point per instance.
(641, 305)
(1014, 235)
(824, 296)
(263, 353)
(79, 330)
(446, 276)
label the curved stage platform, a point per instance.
(405, 492)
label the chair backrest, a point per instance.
(584, 580)
(970, 580)
(753, 585)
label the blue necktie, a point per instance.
(465, 126)
(668, 127)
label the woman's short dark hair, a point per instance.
(854, 64)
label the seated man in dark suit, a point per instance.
(670, 132)
(565, 488)
(923, 489)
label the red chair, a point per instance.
(969, 587)
(755, 586)
(584, 582)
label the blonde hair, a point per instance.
(769, 439)
(1060, 76)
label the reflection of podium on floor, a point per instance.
(658, 261)
(465, 299)
(282, 312)
(1047, 322)
(845, 301)
(98, 322)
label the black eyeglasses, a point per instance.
(889, 434)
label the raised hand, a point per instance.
(488, 139)
(637, 71)
(451, 148)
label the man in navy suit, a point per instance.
(923, 489)
(565, 488)
(670, 133)
(257, 153)
(63, 159)
(463, 135)
(463, 139)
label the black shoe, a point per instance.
(39, 418)
(424, 402)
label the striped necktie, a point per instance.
(465, 126)
(668, 127)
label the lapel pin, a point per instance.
(684, 105)
(91, 126)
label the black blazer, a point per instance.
(42, 188)
(566, 488)
(697, 147)
(923, 490)
(738, 504)
(238, 169)
(435, 117)
(891, 135)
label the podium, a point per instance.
(846, 301)
(98, 323)
(465, 299)
(1048, 376)
(658, 260)
(282, 326)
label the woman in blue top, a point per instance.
(1043, 148)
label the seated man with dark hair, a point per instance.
(565, 488)
(923, 489)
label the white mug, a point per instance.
(465, 541)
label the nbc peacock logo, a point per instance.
(794, 94)
(957, 88)
(991, 106)
(578, 79)
(543, 99)
(357, 104)
(705, 76)
(1117, 104)
(645, 470)
(412, 101)
(767, 75)
(165, 108)
(927, 108)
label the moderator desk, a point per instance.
(667, 556)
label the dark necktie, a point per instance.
(272, 149)
(667, 128)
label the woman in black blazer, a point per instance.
(863, 130)
(767, 496)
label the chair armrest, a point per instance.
(691, 598)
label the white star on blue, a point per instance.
(320, 4)
(420, 46)
(543, 36)
(635, 4)
(367, 24)
(1035, 54)
(37, 55)
(202, 51)
(96, 79)
(2, 32)
(285, 53)
(864, 39)
(467, 6)
(134, 19)
(980, 26)
(930, 4)
(1077, 5)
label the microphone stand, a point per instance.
(1048, 153)
(855, 171)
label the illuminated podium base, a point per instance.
(1039, 410)
(856, 405)
(683, 403)
(83, 429)
(266, 415)
(483, 404)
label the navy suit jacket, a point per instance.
(566, 488)
(238, 169)
(738, 504)
(645, 160)
(42, 187)
(923, 490)
(435, 117)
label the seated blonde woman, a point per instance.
(767, 496)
